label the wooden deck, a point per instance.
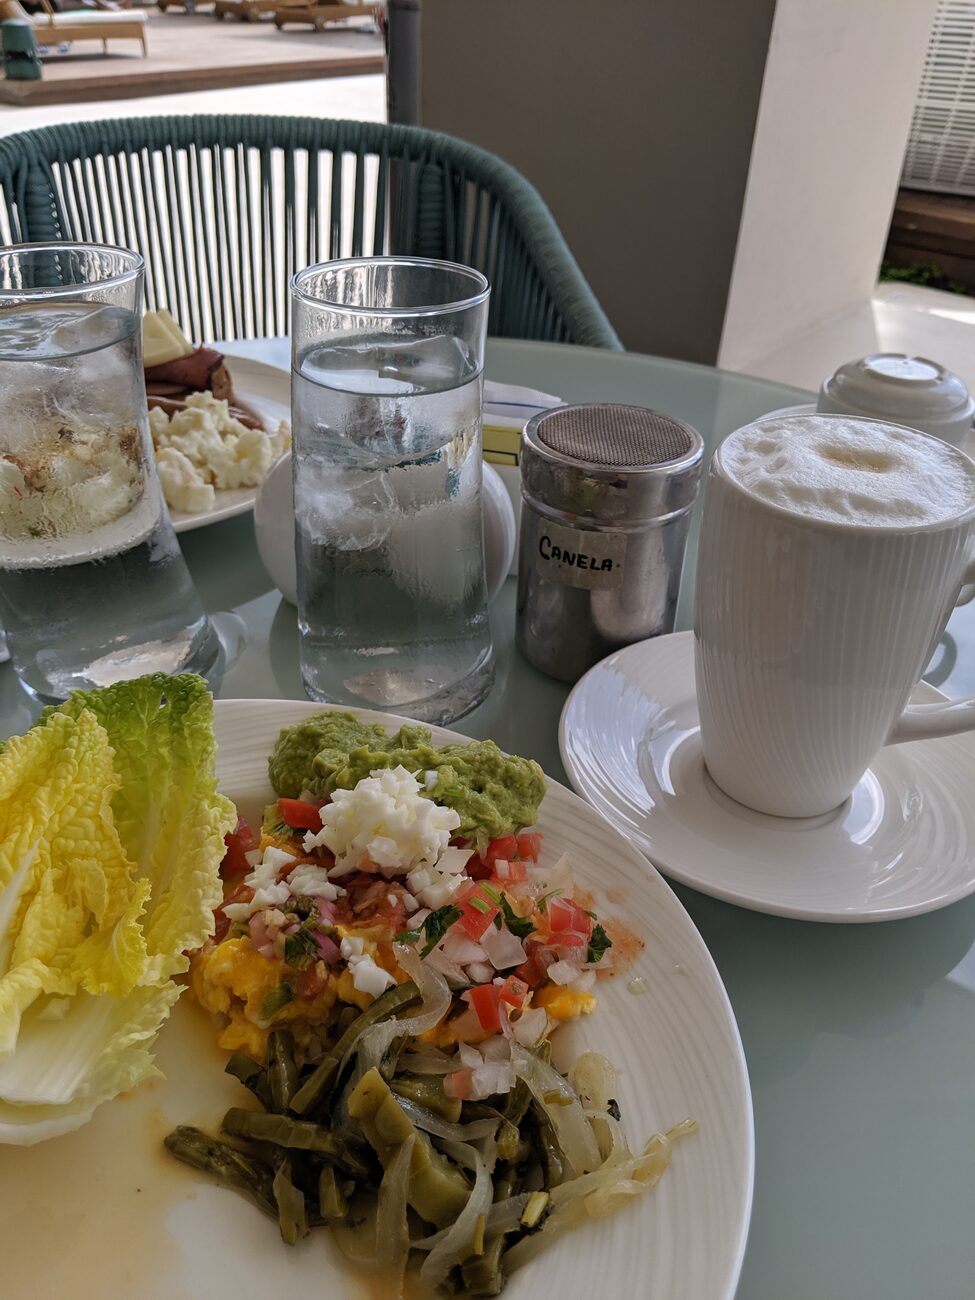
(199, 52)
(938, 228)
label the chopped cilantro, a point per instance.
(598, 943)
(552, 893)
(300, 949)
(520, 926)
(434, 928)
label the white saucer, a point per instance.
(902, 844)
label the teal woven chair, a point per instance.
(224, 209)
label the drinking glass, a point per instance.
(93, 587)
(388, 355)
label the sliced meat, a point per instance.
(158, 389)
(203, 370)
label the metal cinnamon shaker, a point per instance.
(607, 492)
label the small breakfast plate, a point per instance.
(129, 1221)
(902, 844)
(265, 390)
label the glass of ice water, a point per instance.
(388, 355)
(93, 586)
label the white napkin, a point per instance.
(507, 409)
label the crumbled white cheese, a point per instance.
(367, 977)
(215, 450)
(436, 885)
(384, 824)
(306, 878)
(314, 882)
(184, 487)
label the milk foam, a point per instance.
(850, 471)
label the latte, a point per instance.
(850, 471)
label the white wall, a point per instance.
(634, 118)
(837, 98)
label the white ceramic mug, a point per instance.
(811, 632)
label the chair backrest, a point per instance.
(224, 209)
(13, 9)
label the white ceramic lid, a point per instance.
(914, 391)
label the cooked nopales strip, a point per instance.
(111, 836)
(475, 1182)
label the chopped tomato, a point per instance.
(485, 999)
(506, 846)
(529, 845)
(477, 912)
(239, 842)
(514, 872)
(533, 970)
(569, 939)
(513, 991)
(477, 869)
(309, 983)
(566, 916)
(300, 815)
(459, 1084)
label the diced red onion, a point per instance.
(459, 948)
(258, 931)
(503, 949)
(327, 947)
(490, 1078)
(530, 1026)
(563, 972)
(446, 967)
(480, 972)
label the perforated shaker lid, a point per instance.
(905, 389)
(610, 463)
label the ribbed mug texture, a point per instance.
(809, 639)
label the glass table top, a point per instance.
(860, 1039)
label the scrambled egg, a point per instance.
(204, 448)
(563, 1003)
(232, 979)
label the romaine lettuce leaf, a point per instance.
(105, 1049)
(111, 836)
(168, 813)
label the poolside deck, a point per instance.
(199, 52)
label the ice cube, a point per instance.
(79, 330)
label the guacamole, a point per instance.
(493, 794)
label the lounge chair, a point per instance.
(103, 25)
(320, 14)
(251, 10)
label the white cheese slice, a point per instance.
(162, 339)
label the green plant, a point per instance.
(928, 274)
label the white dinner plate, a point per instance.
(106, 1212)
(265, 390)
(902, 844)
